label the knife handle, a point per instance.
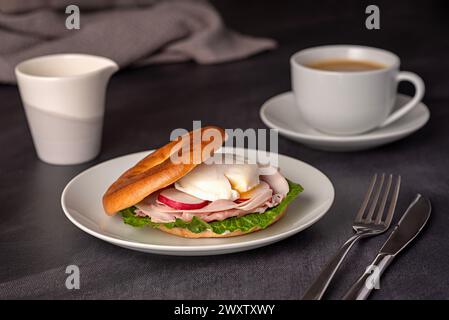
(319, 286)
(362, 288)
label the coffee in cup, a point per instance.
(347, 89)
(345, 65)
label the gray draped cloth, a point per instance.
(130, 32)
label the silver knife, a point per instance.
(410, 225)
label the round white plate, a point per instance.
(280, 112)
(81, 202)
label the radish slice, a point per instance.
(180, 200)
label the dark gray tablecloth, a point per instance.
(37, 242)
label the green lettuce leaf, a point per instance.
(196, 225)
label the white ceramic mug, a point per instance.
(345, 103)
(63, 96)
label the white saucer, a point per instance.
(280, 112)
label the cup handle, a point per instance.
(419, 93)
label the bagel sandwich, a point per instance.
(197, 198)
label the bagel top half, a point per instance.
(158, 170)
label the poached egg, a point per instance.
(220, 181)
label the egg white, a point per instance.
(220, 181)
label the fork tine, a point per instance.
(381, 209)
(361, 211)
(394, 200)
(369, 216)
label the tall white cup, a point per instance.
(345, 103)
(64, 97)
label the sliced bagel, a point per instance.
(158, 170)
(185, 233)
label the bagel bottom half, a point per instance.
(185, 233)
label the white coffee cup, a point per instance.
(64, 96)
(347, 103)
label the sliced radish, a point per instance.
(180, 200)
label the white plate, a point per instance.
(81, 202)
(280, 112)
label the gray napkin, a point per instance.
(19, 6)
(166, 31)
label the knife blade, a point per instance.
(409, 226)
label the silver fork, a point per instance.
(366, 224)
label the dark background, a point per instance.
(37, 242)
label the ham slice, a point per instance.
(221, 215)
(217, 205)
(269, 193)
(157, 216)
(277, 182)
(260, 195)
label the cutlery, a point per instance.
(367, 223)
(410, 225)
